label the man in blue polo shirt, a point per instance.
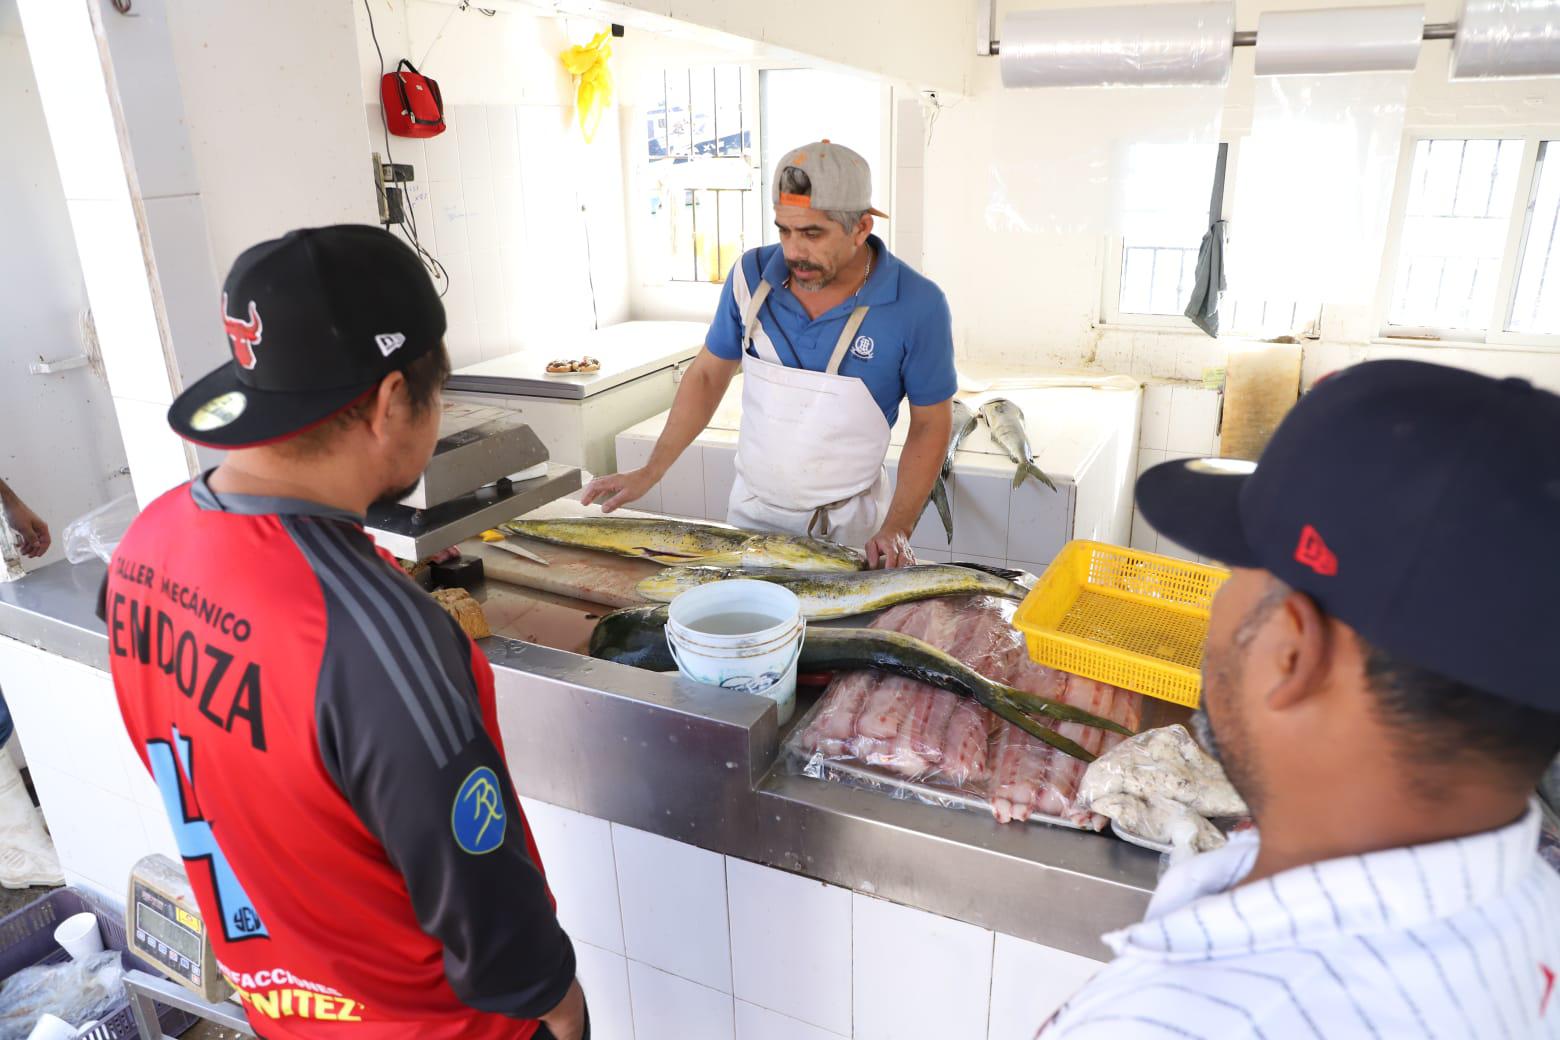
(831, 333)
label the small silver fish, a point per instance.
(1006, 421)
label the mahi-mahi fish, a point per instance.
(686, 541)
(637, 636)
(835, 595)
(964, 421)
(1006, 421)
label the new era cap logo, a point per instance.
(389, 342)
(1313, 553)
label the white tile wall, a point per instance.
(791, 944)
(980, 521)
(682, 489)
(481, 215)
(159, 833)
(1194, 414)
(632, 453)
(159, 460)
(67, 714)
(504, 144)
(1029, 982)
(917, 974)
(1040, 521)
(1156, 416)
(97, 834)
(932, 554)
(720, 471)
(756, 1023)
(581, 871)
(114, 269)
(190, 290)
(670, 1008)
(604, 978)
(674, 906)
(69, 70)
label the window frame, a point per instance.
(752, 115)
(1110, 313)
(1495, 335)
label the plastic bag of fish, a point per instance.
(912, 740)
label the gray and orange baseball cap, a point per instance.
(835, 178)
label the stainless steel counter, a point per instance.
(699, 765)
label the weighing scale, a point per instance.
(163, 927)
(488, 467)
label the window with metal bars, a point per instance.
(700, 147)
(1477, 248)
(1157, 269)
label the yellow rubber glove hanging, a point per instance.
(594, 96)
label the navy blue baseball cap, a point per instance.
(1420, 504)
(314, 320)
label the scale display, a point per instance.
(164, 928)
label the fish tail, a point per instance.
(944, 510)
(1029, 469)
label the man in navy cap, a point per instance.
(1379, 682)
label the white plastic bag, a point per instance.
(97, 534)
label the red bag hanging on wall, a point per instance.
(413, 105)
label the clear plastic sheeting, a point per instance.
(1132, 45)
(95, 535)
(1080, 161)
(77, 991)
(1507, 39)
(1314, 185)
(1363, 39)
(912, 740)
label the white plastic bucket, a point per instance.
(761, 662)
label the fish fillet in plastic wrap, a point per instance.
(911, 730)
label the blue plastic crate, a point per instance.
(27, 938)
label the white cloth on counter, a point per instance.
(1456, 938)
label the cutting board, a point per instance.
(582, 574)
(1261, 384)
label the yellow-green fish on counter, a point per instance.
(637, 636)
(835, 595)
(688, 541)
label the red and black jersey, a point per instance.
(326, 742)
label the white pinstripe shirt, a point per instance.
(1454, 939)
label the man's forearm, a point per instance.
(919, 463)
(7, 496)
(695, 403)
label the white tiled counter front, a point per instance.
(717, 947)
(1085, 439)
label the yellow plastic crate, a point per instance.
(1130, 618)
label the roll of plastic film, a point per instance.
(1506, 38)
(1364, 39)
(1136, 45)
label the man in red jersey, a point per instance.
(324, 736)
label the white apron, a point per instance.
(811, 447)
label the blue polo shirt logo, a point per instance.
(862, 348)
(477, 817)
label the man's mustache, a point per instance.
(802, 265)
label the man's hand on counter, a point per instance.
(35, 533)
(618, 489)
(890, 548)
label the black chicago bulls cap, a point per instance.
(314, 320)
(1418, 503)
